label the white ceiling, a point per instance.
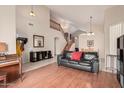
(79, 14)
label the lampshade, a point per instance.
(3, 47)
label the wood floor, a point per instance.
(52, 76)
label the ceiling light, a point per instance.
(90, 33)
(32, 12)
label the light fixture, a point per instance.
(90, 32)
(32, 11)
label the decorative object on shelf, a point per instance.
(90, 49)
(3, 50)
(38, 41)
(90, 32)
(32, 11)
(90, 43)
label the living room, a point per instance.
(42, 44)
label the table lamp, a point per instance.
(3, 50)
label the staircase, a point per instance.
(68, 45)
(57, 26)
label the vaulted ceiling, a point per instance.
(78, 15)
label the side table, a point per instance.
(111, 64)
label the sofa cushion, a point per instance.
(85, 61)
(67, 54)
(64, 60)
(88, 57)
(92, 53)
(76, 56)
(84, 64)
(73, 62)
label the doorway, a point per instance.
(55, 45)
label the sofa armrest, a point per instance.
(59, 57)
(95, 66)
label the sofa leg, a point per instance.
(59, 64)
(97, 73)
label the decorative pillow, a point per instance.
(65, 53)
(76, 56)
(68, 55)
(89, 57)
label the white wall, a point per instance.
(60, 42)
(98, 41)
(113, 16)
(41, 27)
(8, 27)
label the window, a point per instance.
(115, 32)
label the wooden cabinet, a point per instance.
(12, 66)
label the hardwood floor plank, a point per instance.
(53, 76)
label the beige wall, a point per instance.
(40, 27)
(8, 27)
(98, 42)
(113, 16)
(60, 42)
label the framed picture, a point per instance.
(90, 43)
(38, 41)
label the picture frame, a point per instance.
(38, 41)
(90, 43)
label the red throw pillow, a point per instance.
(76, 56)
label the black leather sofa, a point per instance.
(88, 64)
